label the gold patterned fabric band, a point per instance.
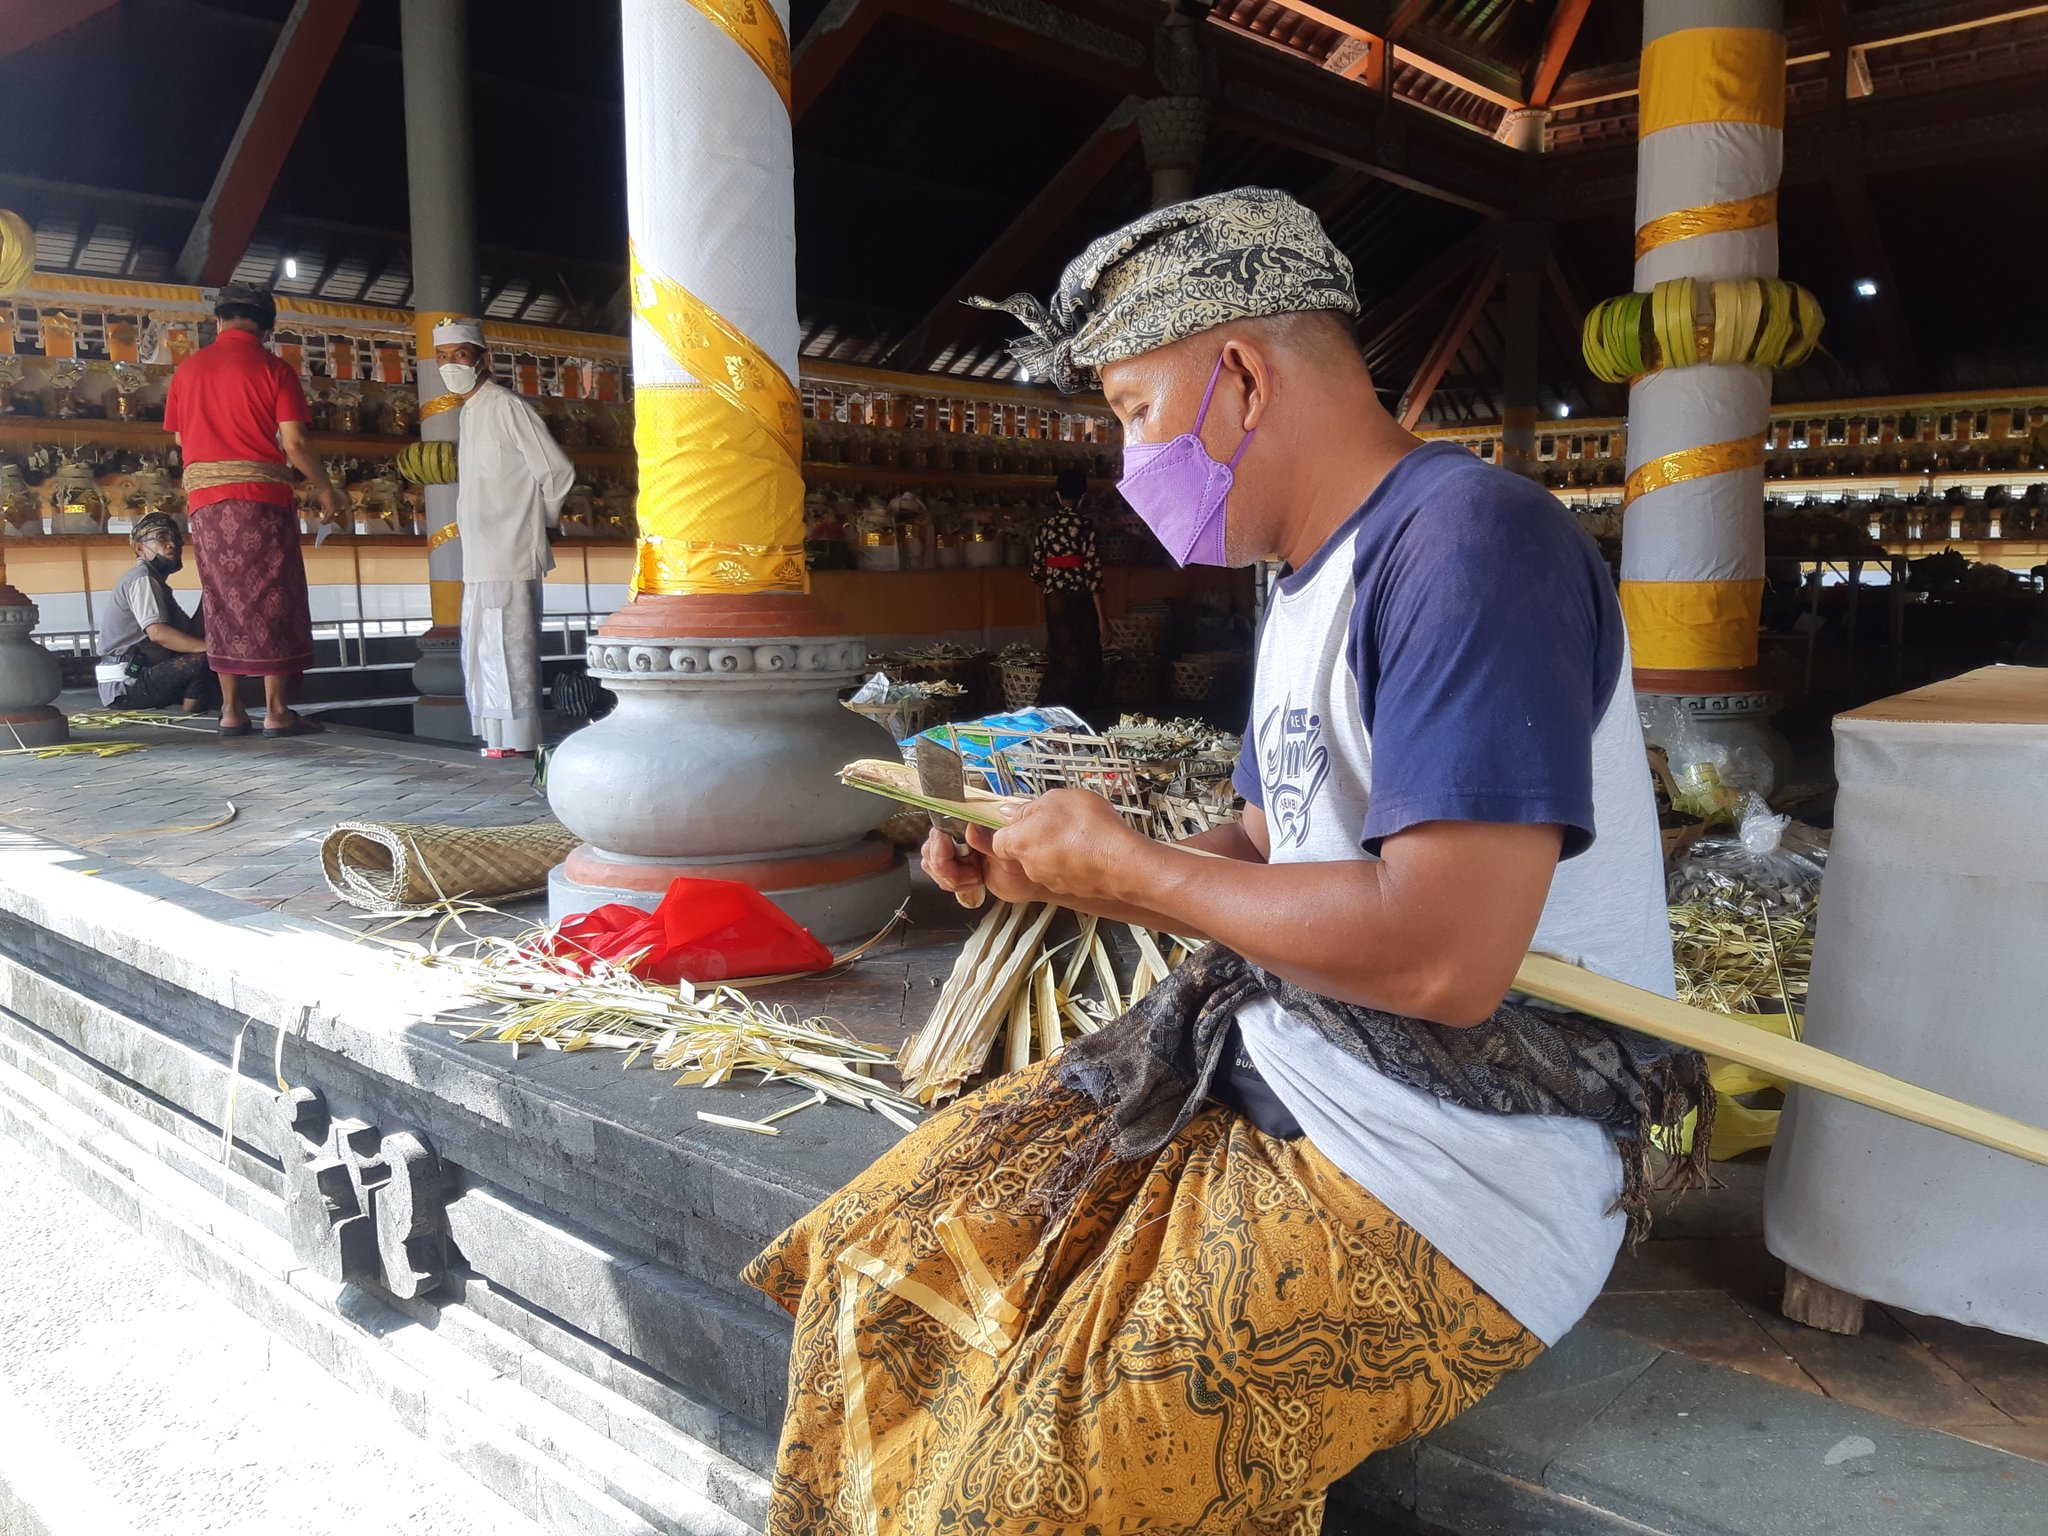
(438, 404)
(1693, 464)
(204, 477)
(754, 25)
(719, 356)
(1710, 219)
(442, 535)
(692, 566)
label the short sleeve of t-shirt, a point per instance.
(291, 395)
(1486, 645)
(152, 603)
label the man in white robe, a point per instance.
(511, 481)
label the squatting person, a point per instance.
(240, 416)
(509, 488)
(152, 652)
(1327, 1183)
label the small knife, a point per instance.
(941, 777)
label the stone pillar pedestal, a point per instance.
(440, 713)
(719, 762)
(1730, 710)
(30, 678)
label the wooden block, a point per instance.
(1819, 1305)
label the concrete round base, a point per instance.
(441, 719)
(839, 913)
(45, 727)
(438, 672)
(1735, 721)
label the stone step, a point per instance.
(465, 1388)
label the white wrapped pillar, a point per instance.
(719, 760)
(1712, 141)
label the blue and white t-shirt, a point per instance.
(1455, 652)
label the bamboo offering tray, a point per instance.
(1569, 986)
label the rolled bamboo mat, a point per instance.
(392, 866)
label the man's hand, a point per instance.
(333, 501)
(1070, 842)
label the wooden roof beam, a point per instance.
(1395, 38)
(28, 22)
(306, 46)
(825, 47)
(1563, 31)
(1912, 22)
(1415, 399)
(998, 267)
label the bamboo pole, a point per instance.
(1569, 986)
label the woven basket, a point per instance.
(1193, 678)
(1021, 682)
(395, 866)
(1139, 634)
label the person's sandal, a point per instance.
(300, 726)
(243, 729)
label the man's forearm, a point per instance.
(308, 463)
(1227, 842)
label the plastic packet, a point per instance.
(876, 690)
(1769, 863)
(1710, 778)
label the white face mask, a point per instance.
(457, 378)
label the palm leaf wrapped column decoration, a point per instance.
(719, 760)
(1697, 342)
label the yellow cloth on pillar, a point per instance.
(1208, 1340)
(1692, 625)
(721, 504)
(1713, 75)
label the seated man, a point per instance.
(1327, 1183)
(151, 652)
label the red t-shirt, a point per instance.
(226, 402)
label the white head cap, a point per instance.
(459, 331)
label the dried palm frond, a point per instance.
(77, 749)
(708, 1034)
(1732, 963)
(1009, 984)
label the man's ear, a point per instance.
(1249, 367)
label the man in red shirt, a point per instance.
(232, 404)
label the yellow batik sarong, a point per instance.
(1202, 1344)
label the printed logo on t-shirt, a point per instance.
(1293, 762)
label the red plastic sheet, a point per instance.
(703, 930)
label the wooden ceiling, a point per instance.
(954, 146)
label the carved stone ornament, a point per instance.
(1174, 129)
(807, 660)
(1181, 58)
(364, 1207)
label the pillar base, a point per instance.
(441, 713)
(442, 719)
(1731, 711)
(721, 760)
(841, 897)
(30, 678)
(45, 727)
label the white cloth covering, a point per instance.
(509, 493)
(501, 662)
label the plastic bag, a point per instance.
(1769, 863)
(703, 930)
(1711, 778)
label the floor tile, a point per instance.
(1704, 1326)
